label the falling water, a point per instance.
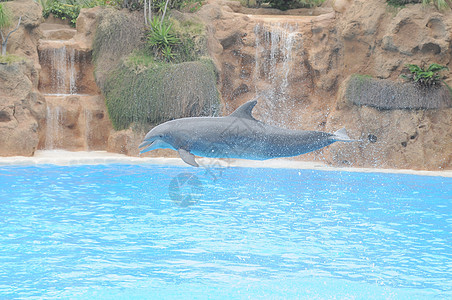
(72, 74)
(63, 74)
(274, 63)
(53, 119)
(88, 118)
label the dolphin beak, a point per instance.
(147, 146)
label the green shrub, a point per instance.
(68, 9)
(160, 93)
(63, 11)
(152, 80)
(161, 38)
(441, 4)
(177, 41)
(193, 40)
(425, 77)
(289, 4)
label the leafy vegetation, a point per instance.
(440, 4)
(176, 41)
(69, 9)
(142, 83)
(152, 76)
(161, 39)
(425, 77)
(63, 11)
(289, 4)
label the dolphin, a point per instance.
(238, 135)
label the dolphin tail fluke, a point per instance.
(341, 136)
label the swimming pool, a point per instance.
(155, 231)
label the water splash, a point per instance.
(274, 64)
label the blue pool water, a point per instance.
(148, 231)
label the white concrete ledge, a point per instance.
(65, 158)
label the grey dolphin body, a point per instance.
(238, 135)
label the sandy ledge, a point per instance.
(64, 158)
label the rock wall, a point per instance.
(23, 41)
(22, 107)
(358, 37)
(398, 138)
(50, 100)
(378, 40)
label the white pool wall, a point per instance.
(64, 158)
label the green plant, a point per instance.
(289, 4)
(161, 38)
(425, 77)
(193, 40)
(10, 58)
(440, 4)
(69, 9)
(140, 61)
(63, 11)
(5, 17)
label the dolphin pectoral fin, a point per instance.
(187, 157)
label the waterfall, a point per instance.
(75, 111)
(72, 73)
(62, 69)
(88, 119)
(53, 119)
(274, 64)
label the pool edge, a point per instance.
(64, 158)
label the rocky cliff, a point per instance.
(355, 37)
(22, 107)
(48, 98)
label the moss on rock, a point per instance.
(161, 93)
(387, 94)
(118, 34)
(141, 90)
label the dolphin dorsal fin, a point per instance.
(244, 111)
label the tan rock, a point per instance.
(86, 27)
(29, 10)
(341, 6)
(76, 123)
(23, 41)
(21, 109)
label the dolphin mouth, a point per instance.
(146, 146)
